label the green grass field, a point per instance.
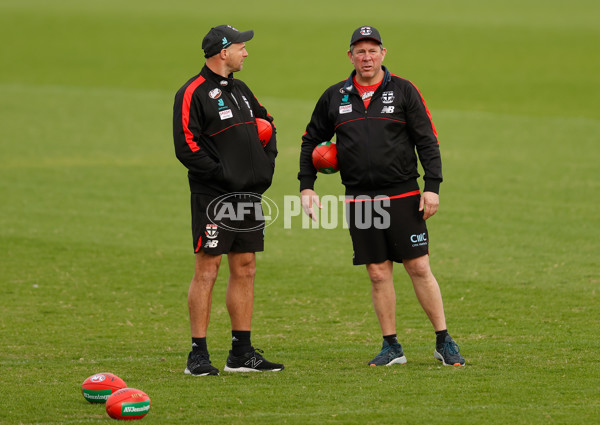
(95, 246)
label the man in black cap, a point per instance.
(381, 124)
(216, 139)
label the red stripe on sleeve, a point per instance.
(185, 113)
(426, 108)
(428, 114)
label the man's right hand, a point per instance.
(309, 198)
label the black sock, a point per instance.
(391, 339)
(440, 336)
(199, 344)
(240, 342)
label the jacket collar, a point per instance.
(223, 82)
(349, 84)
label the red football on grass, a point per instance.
(128, 404)
(265, 131)
(324, 158)
(98, 387)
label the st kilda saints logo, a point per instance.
(211, 231)
(366, 31)
(387, 97)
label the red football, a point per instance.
(265, 131)
(98, 387)
(324, 158)
(128, 404)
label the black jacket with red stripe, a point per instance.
(377, 146)
(216, 137)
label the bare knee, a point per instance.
(242, 266)
(206, 269)
(244, 271)
(205, 277)
(380, 274)
(378, 278)
(418, 268)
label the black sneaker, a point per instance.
(449, 353)
(251, 362)
(389, 355)
(198, 364)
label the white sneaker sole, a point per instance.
(397, 360)
(247, 369)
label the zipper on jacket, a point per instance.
(249, 150)
(235, 100)
(367, 139)
(376, 95)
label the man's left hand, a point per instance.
(430, 202)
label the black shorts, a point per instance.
(222, 225)
(386, 228)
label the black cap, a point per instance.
(365, 33)
(221, 37)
